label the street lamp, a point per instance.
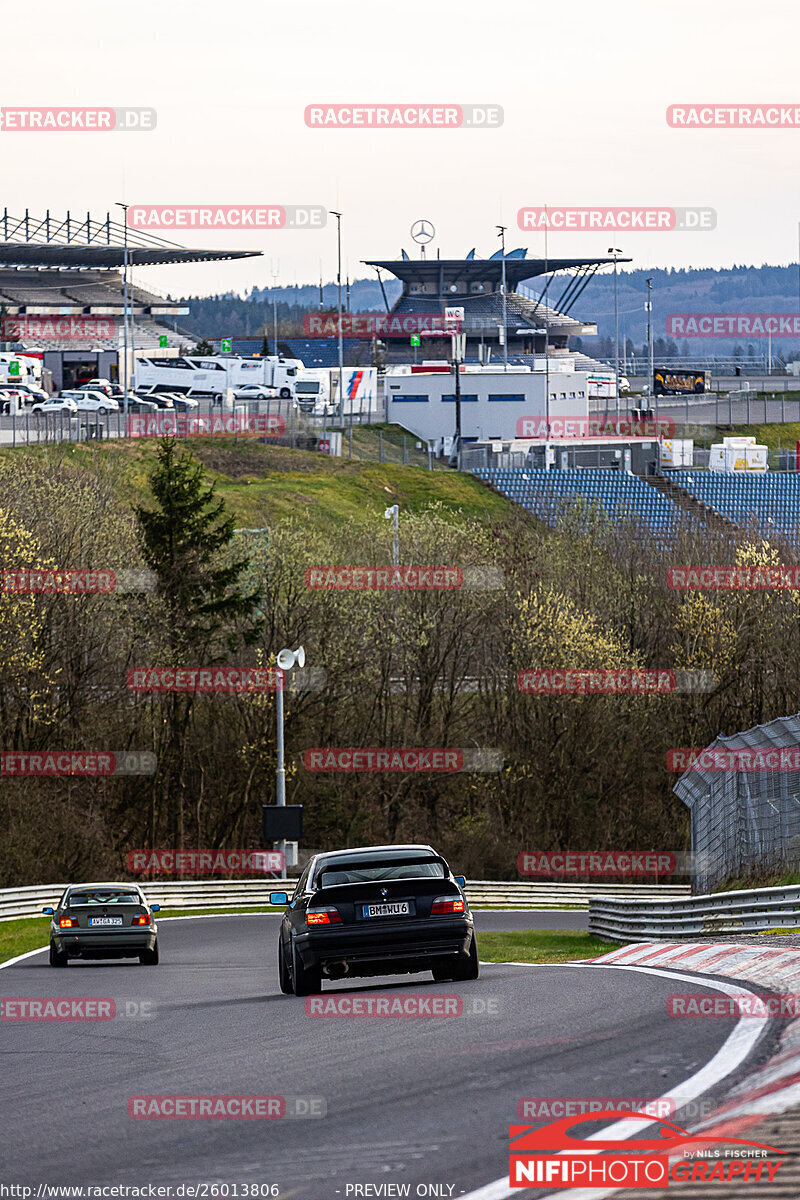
(649, 306)
(124, 208)
(393, 514)
(611, 250)
(338, 216)
(287, 660)
(502, 236)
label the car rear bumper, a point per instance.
(104, 943)
(384, 948)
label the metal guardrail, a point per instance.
(29, 901)
(638, 919)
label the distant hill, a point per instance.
(764, 289)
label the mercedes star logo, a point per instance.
(422, 232)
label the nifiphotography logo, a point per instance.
(553, 1155)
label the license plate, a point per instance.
(105, 920)
(400, 908)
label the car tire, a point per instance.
(470, 969)
(58, 958)
(305, 982)
(284, 977)
(149, 958)
(285, 393)
(102, 411)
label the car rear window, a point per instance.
(352, 873)
(103, 896)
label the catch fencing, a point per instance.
(235, 893)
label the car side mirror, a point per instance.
(460, 880)
(48, 912)
(278, 898)
(155, 908)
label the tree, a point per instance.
(187, 540)
(204, 347)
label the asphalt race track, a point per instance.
(409, 1101)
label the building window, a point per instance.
(506, 397)
(451, 399)
(409, 399)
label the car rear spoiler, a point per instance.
(368, 864)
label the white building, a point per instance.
(495, 405)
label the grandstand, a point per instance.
(768, 504)
(620, 495)
(536, 324)
(73, 267)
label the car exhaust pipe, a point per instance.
(336, 970)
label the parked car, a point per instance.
(91, 401)
(135, 404)
(160, 399)
(56, 404)
(255, 391)
(101, 385)
(29, 390)
(184, 403)
(12, 401)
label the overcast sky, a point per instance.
(584, 87)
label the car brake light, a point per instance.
(323, 916)
(143, 920)
(67, 922)
(447, 904)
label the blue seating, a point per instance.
(768, 503)
(621, 496)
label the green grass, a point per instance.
(775, 435)
(262, 483)
(551, 946)
(31, 933)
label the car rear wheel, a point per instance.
(471, 968)
(57, 957)
(102, 411)
(149, 958)
(305, 982)
(284, 978)
(285, 393)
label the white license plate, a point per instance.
(105, 920)
(399, 909)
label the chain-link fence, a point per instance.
(744, 800)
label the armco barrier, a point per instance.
(637, 919)
(29, 901)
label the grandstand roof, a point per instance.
(43, 254)
(75, 241)
(432, 270)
